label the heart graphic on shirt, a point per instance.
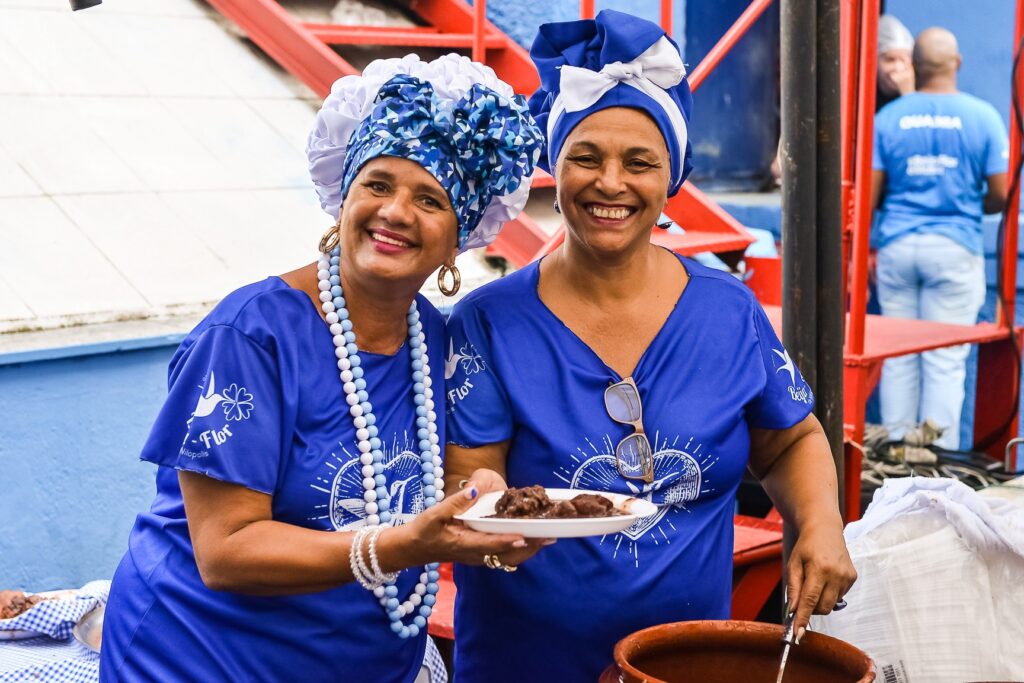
(404, 485)
(677, 480)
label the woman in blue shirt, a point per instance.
(282, 426)
(618, 366)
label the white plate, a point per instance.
(89, 629)
(479, 517)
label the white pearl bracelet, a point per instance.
(369, 575)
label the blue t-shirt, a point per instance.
(715, 369)
(255, 399)
(937, 151)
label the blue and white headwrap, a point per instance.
(615, 60)
(453, 116)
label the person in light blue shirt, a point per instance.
(940, 158)
(617, 366)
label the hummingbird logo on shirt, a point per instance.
(801, 394)
(208, 401)
(787, 365)
(467, 356)
(451, 365)
(471, 362)
(681, 478)
(344, 506)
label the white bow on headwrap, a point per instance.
(658, 68)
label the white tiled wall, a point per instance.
(148, 159)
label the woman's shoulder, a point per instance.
(429, 313)
(719, 285)
(507, 292)
(259, 311)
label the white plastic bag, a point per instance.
(935, 601)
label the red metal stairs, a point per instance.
(305, 50)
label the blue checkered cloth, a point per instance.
(45, 659)
(54, 655)
(56, 617)
(433, 663)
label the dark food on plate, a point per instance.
(532, 502)
(13, 603)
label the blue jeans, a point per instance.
(928, 277)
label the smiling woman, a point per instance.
(398, 223)
(613, 180)
(705, 389)
(297, 525)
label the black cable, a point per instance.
(1014, 189)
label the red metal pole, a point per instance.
(727, 41)
(586, 9)
(479, 26)
(849, 27)
(862, 188)
(287, 42)
(1009, 264)
(666, 16)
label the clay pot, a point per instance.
(727, 651)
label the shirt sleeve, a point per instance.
(478, 408)
(786, 398)
(997, 157)
(222, 417)
(877, 147)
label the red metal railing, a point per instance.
(727, 42)
(1009, 265)
(479, 23)
(868, 61)
(587, 12)
(849, 23)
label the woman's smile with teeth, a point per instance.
(388, 240)
(615, 213)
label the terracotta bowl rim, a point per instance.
(718, 625)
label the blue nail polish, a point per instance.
(472, 493)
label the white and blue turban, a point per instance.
(615, 60)
(452, 116)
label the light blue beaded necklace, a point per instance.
(375, 494)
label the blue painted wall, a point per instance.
(71, 482)
(520, 19)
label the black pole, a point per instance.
(831, 316)
(798, 158)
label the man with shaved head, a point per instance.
(940, 159)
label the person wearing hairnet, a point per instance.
(895, 62)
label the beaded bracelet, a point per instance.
(360, 570)
(379, 576)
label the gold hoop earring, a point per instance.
(331, 238)
(456, 280)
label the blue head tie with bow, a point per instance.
(615, 60)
